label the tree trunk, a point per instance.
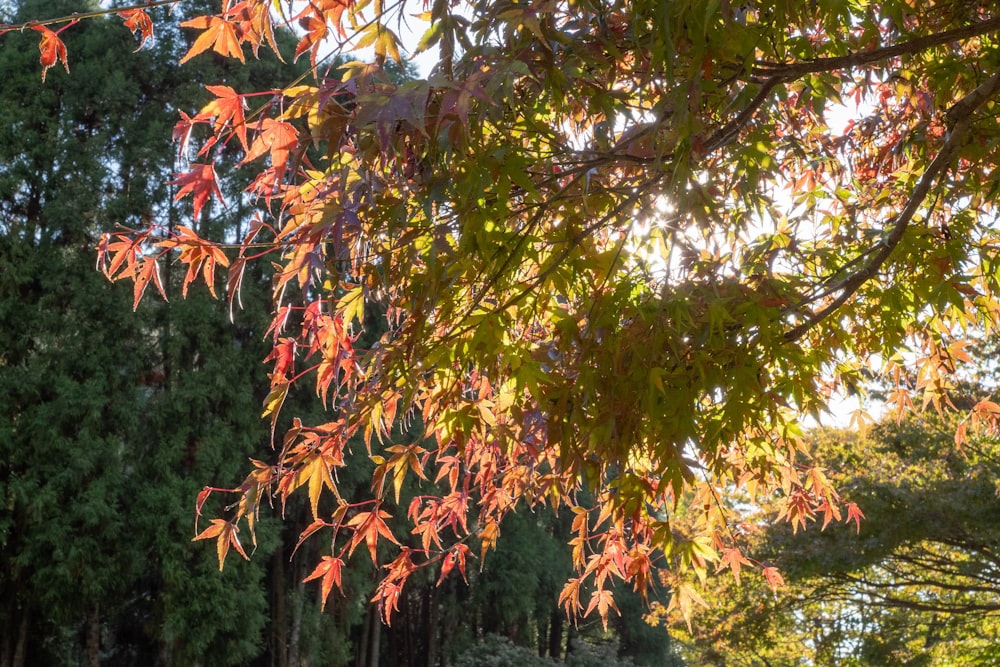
(366, 634)
(297, 607)
(94, 635)
(570, 636)
(373, 654)
(6, 645)
(279, 622)
(21, 647)
(555, 634)
(432, 624)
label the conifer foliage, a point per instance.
(621, 248)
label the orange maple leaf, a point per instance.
(226, 108)
(219, 35)
(225, 534)
(146, 270)
(277, 138)
(315, 32)
(368, 526)
(51, 48)
(456, 556)
(773, 578)
(329, 569)
(138, 21)
(603, 600)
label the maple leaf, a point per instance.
(329, 569)
(201, 183)
(570, 597)
(773, 578)
(854, 514)
(276, 138)
(455, 556)
(225, 534)
(283, 356)
(733, 559)
(315, 31)
(367, 528)
(603, 600)
(272, 404)
(684, 598)
(253, 19)
(316, 474)
(200, 256)
(219, 35)
(51, 48)
(147, 269)
(227, 108)
(200, 503)
(182, 133)
(124, 254)
(138, 21)
(404, 457)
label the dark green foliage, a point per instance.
(113, 421)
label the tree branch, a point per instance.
(960, 118)
(859, 58)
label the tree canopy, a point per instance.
(616, 251)
(917, 586)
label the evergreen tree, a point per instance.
(113, 422)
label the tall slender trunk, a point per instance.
(366, 630)
(432, 623)
(21, 647)
(279, 621)
(542, 623)
(298, 604)
(555, 633)
(7, 635)
(373, 654)
(94, 635)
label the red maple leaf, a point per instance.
(200, 183)
(51, 48)
(226, 108)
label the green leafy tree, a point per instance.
(916, 584)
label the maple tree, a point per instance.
(620, 247)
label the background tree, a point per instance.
(917, 585)
(113, 421)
